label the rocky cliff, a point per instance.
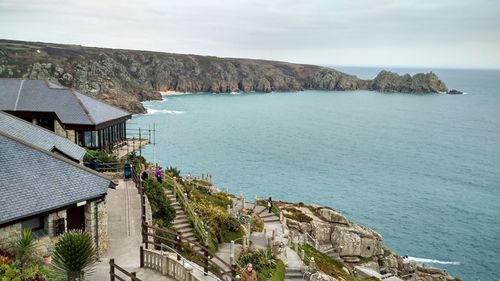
(127, 77)
(354, 245)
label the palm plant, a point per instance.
(24, 247)
(74, 256)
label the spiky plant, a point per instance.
(24, 247)
(74, 256)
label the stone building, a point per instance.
(48, 193)
(84, 120)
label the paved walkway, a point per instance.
(124, 234)
(260, 239)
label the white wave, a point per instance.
(234, 93)
(424, 260)
(164, 111)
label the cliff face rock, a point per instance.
(353, 244)
(126, 77)
(387, 81)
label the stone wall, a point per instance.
(102, 224)
(58, 129)
(9, 234)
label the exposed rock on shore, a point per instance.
(126, 77)
(353, 244)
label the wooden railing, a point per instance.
(182, 270)
(157, 236)
(207, 260)
(114, 269)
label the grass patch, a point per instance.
(326, 264)
(229, 236)
(296, 214)
(279, 273)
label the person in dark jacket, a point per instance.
(144, 175)
(93, 164)
(270, 204)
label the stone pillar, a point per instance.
(302, 254)
(231, 253)
(312, 264)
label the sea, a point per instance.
(423, 170)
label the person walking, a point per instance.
(270, 204)
(144, 175)
(158, 175)
(248, 274)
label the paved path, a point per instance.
(124, 234)
(260, 239)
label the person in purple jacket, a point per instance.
(158, 175)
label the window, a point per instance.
(88, 138)
(36, 225)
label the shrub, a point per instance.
(74, 256)
(262, 262)
(24, 248)
(162, 209)
(296, 214)
(100, 155)
(173, 171)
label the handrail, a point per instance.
(308, 237)
(184, 260)
(178, 241)
(198, 226)
(112, 275)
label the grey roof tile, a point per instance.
(39, 136)
(34, 181)
(71, 107)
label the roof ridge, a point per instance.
(33, 125)
(59, 157)
(83, 106)
(100, 101)
(18, 94)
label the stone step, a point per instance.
(267, 214)
(180, 221)
(181, 226)
(271, 219)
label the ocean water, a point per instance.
(422, 170)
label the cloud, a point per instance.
(357, 32)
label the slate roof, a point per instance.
(34, 181)
(71, 107)
(38, 136)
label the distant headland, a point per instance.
(127, 77)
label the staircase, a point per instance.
(328, 250)
(264, 214)
(181, 222)
(293, 274)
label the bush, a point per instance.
(100, 155)
(296, 214)
(262, 262)
(173, 172)
(74, 256)
(161, 207)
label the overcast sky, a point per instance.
(428, 33)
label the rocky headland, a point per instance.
(356, 246)
(127, 77)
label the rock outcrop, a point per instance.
(353, 244)
(126, 77)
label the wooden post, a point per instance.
(112, 269)
(140, 142)
(179, 246)
(205, 266)
(145, 239)
(141, 258)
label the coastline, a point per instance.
(170, 93)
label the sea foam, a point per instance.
(164, 111)
(424, 260)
